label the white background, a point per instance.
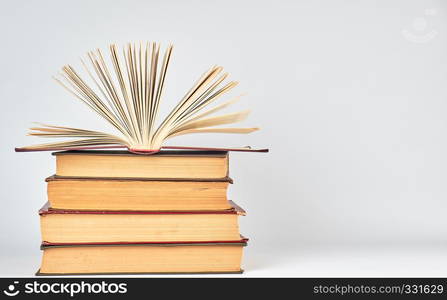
(351, 97)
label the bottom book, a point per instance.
(142, 258)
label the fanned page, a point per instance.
(127, 93)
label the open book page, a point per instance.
(127, 91)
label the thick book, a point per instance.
(74, 226)
(138, 193)
(126, 91)
(142, 258)
(164, 164)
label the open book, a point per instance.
(127, 94)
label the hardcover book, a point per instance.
(138, 194)
(164, 164)
(76, 226)
(141, 258)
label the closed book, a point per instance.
(76, 226)
(137, 193)
(141, 258)
(164, 164)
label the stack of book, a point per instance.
(116, 212)
(152, 208)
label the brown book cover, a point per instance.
(141, 152)
(39, 273)
(242, 242)
(79, 178)
(48, 210)
(217, 153)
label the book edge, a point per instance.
(168, 153)
(55, 177)
(46, 209)
(38, 273)
(239, 243)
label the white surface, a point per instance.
(351, 97)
